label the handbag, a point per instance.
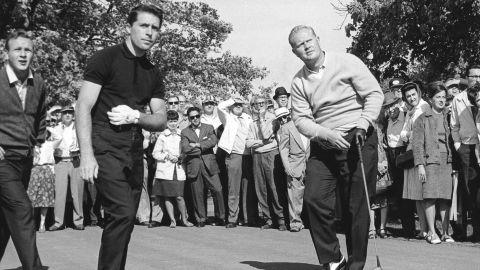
(383, 183)
(405, 160)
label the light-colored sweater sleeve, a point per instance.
(302, 113)
(454, 121)
(368, 89)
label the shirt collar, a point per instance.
(128, 54)
(322, 67)
(12, 78)
(168, 132)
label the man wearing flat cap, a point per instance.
(281, 97)
(394, 86)
(238, 160)
(394, 147)
(67, 163)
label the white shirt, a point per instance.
(21, 86)
(211, 120)
(68, 139)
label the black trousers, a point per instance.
(406, 207)
(197, 189)
(16, 212)
(120, 179)
(468, 187)
(327, 171)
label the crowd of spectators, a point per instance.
(250, 159)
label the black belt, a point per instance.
(118, 128)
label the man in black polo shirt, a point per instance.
(22, 127)
(118, 82)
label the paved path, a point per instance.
(241, 248)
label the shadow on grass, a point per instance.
(282, 265)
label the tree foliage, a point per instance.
(437, 38)
(189, 52)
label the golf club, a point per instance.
(359, 148)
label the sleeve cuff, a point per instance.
(363, 124)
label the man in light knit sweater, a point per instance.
(267, 164)
(335, 100)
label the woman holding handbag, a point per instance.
(412, 188)
(380, 201)
(433, 160)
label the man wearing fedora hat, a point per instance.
(281, 97)
(394, 147)
(294, 149)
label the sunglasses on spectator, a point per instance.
(259, 103)
(173, 102)
(194, 117)
(283, 117)
(237, 105)
(209, 103)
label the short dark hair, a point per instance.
(434, 88)
(172, 115)
(191, 109)
(470, 67)
(152, 9)
(16, 34)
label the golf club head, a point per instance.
(379, 266)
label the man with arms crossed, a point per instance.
(22, 126)
(335, 100)
(118, 82)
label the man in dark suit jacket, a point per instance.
(197, 145)
(22, 127)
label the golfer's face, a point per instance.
(306, 46)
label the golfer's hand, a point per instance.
(2, 153)
(123, 115)
(336, 139)
(360, 135)
(88, 168)
(422, 176)
(457, 145)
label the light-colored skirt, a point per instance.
(412, 187)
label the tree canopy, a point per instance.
(189, 52)
(431, 39)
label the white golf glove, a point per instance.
(123, 115)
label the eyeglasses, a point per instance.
(283, 117)
(474, 76)
(259, 104)
(209, 103)
(194, 117)
(238, 105)
(173, 102)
